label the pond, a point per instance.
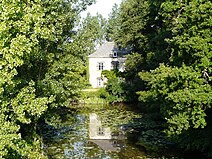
(93, 133)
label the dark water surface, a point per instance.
(97, 133)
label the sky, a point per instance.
(103, 7)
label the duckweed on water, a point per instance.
(68, 135)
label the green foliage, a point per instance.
(145, 38)
(27, 106)
(92, 96)
(134, 64)
(172, 44)
(113, 23)
(64, 79)
(91, 33)
(102, 93)
(182, 96)
(146, 35)
(132, 20)
(37, 69)
(191, 30)
(115, 90)
(110, 74)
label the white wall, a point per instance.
(94, 73)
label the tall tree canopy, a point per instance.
(36, 69)
(171, 41)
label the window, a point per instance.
(100, 66)
(115, 65)
(99, 82)
(100, 131)
(114, 54)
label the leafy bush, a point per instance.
(115, 90)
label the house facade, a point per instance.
(107, 57)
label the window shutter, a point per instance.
(97, 66)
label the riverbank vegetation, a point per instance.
(43, 66)
(169, 69)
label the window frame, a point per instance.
(100, 66)
(99, 82)
(115, 54)
(100, 131)
(115, 65)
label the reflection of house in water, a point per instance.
(102, 137)
(96, 130)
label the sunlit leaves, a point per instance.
(181, 94)
(173, 39)
(26, 105)
(130, 23)
(64, 79)
(32, 34)
(8, 134)
(190, 23)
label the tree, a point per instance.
(132, 20)
(183, 97)
(91, 33)
(181, 91)
(113, 23)
(190, 25)
(32, 46)
(139, 26)
(171, 45)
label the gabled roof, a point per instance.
(107, 49)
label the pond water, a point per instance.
(97, 133)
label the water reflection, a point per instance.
(96, 130)
(90, 135)
(102, 135)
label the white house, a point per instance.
(107, 57)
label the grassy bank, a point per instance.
(91, 96)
